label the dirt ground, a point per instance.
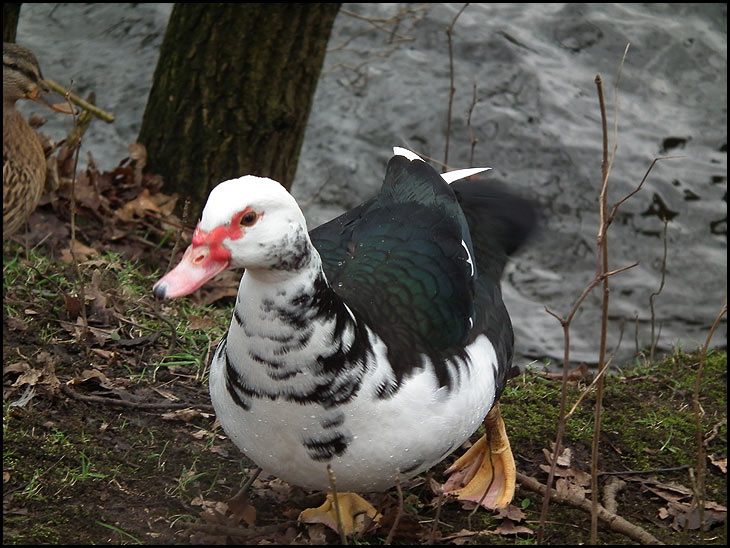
(109, 436)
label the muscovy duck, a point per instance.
(376, 344)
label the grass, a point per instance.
(72, 466)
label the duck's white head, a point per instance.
(250, 222)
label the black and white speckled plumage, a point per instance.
(376, 344)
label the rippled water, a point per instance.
(537, 124)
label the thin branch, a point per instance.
(452, 89)
(399, 514)
(336, 502)
(603, 267)
(699, 498)
(614, 522)
(472, 140)
(72, 245)
(653, 341)
(93, 109)
(131, 404)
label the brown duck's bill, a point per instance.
(196, 267)
(45, 98)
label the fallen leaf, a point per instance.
(512, 512)
(137, 207)
(40, 376)
(720, 462)
(508, 527)
(563, 459)
(576, 374)
(196, 322)
(82, 252)
(188, 414)
(568, 488)
(317, 534)
(16, 324)
(242, 510)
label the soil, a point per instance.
(109, 436)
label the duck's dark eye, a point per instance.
(249, 218)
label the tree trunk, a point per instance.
(232, 91)
(11, 12)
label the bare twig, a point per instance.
(610, 490)
(614, 522)
(395, 20)
(399, 514)
(602, 275)
(72, 246)
(336, 502)
(434, 527)
(452, 89)
(699, 498)
(472, 140)
(242, 492)
(93, 109)
(130, 404)
(653, 341)
(643, 472)
(603, 267)
(389, 26)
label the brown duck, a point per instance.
(24, 163)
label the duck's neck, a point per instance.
(290, 317)
(291, 336)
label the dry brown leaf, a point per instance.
(40, 376)
(165, 203)
(563, 459)
(317, 534)
(196, 322)
(30, 377)
(185, 415)
(166, 394)
(222, 451)
(104, 354)
(73, 306)
(242, 510)
(512, 512)
(579, 477)
(720, 462)
(576, 374)
(16, 324)
(95, 375)
(508, 527)
(684, 519)
(137, 207)
(138, 153)
(83, 252)
(17, 367)
(570, 489)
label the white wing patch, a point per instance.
(449, 176)
(398, 151)
(468, 257)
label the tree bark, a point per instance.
(11, 13)
(232, 91)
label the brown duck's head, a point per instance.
(22, 79)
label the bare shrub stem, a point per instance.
(699, 496)
(452, 89)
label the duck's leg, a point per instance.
(487, 467)
(356, 513)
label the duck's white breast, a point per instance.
(370, 440)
